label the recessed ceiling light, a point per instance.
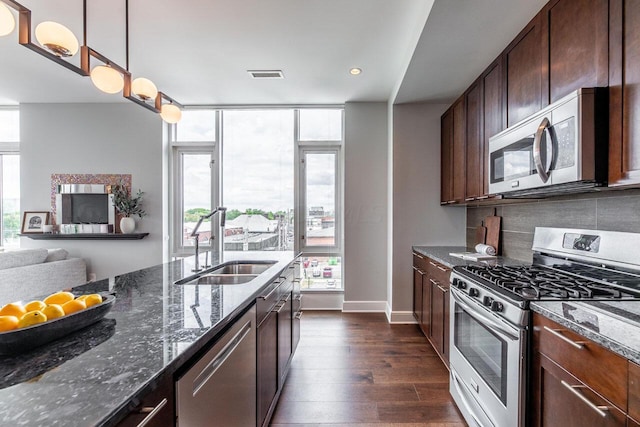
(355, 71)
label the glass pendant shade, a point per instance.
(170, 113)
(107, 79)
(7, 21)
(144, 88)
(57, 38)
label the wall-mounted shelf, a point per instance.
(86, 236)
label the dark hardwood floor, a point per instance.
(355, 369)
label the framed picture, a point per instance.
(32, 222)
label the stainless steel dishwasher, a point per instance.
(220, 389)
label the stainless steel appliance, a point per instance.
(490, 313)
(561, 148)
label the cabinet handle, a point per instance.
(441, 268)
(278, 308)
(483, 197)
(432, 263)
(299, 315)
(419, 256)
(151, 411)
(433, 282)
(450, 201)
(469, 199)
(418, 270)
(444, 291)
(577, 344)
(270, 293)
(601, 410)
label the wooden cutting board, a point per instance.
(481, 234)
(492, 223)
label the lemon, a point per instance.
(73, 306)
(59, 298)
(53, 311)
(35, 306)
(32, 318)
(93, 299)
(13, 309)
(8, 323)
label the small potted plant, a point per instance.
(128, 206)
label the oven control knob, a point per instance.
(497, 306)
(488, 301)
(473, 292)
(462, 284)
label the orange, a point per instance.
(93, 299)
(53, 311)
(73, 306)
(32, 318)
(13, 309)
(34, 306)
(59, 298)
(8, 323)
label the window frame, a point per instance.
(7, 148)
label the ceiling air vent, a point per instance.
(266, 74)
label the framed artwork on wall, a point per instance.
(32, 222)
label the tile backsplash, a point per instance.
(612, 210)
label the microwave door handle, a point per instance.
(537, 150)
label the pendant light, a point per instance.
(170, 113)
(57, 38)
(107, 79)
(7, 21)
(144, 88)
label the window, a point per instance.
(10, 177)
(280, 178)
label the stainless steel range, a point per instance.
(490, 313)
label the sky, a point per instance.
(258, 156)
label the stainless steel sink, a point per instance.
(231, 273)
(223, 279)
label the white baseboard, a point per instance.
(322, 300)
(401, 317)
(364, 306)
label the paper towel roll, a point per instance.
(485, 249)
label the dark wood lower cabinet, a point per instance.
(417, 294)
(267, 364)
(566, 402)
(156, 408)
(285, 316)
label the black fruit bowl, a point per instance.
(25, 339)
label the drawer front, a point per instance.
(439, 273)
(602, 370)
(269, 298)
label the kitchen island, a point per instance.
(96, 376)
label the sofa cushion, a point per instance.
(12, 259)
(57, 254)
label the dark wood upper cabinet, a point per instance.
(624, 93)
(525, 66)
(493, 117)
(578, 32)
(453, 154)
(474, 144)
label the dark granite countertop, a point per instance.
(441, 254)
(613, 324)
(92, 376)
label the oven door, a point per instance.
(487, 363)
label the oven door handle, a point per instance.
(485, 320)
(543, 170)
(459, 388)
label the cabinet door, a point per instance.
(267, 363)
(474, 146)
(446, 147)
(578, 45)
(458, 151)
(417, 294)
(445, 320)
(560, 400)
(624, 93)
(437, 316)
(494, 119)
(284, 338)
(425, 323)
(526, 73)
(156, 409)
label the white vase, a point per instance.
(127, 225)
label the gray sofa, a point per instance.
(29, 273)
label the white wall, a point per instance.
(418, 218)
(365, 206)
(95, 139)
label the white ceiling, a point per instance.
(198, 51)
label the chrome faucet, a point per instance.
(195, 234)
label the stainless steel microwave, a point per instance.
(560, 149)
